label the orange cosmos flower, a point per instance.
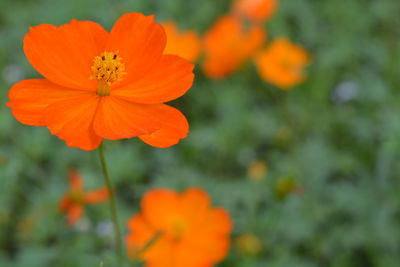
(72, 203)
(228, 44)
(179, 230)
(256, 10)
(184, 44)
(103, 85)
(282, 63)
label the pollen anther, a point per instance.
(107, 69)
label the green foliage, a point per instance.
(340, 150)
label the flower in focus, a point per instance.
(178, 230)
(282, 63)
(228, 44)
(257, 170)
(256, 10)
(248, 244)
(73, 202)
(101, 84)
(184, 44)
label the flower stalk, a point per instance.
(118, 240)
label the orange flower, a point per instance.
(179, 230)
(103, 85)
(256, 10)
(282, 63)
(228, 44)
(72, 203)
(184, 44)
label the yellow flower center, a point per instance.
(107, 69)
(77, 197)
(179, 227)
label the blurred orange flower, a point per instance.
(184, 44)
(73, 202)
(256, 10)
(282, 63)
(228, 44)
(103, 85)
(190, 232)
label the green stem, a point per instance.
(118, 247)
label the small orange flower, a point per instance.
(256, 10)
(184, 44)
(282, 63)
(72, 203)
(103, 85)
(228, 44)
(179, 230)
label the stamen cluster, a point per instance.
(108, 68)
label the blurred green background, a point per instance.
(335, 138)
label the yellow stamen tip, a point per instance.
(107, 69)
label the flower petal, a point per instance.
(30, 98)
(96, 196)
(160, 254)
(185, 44)
(169, 79)
(74, 214)
(173, 128)
(65, 203)
(141, 234)
(201, 251)
(159, 206)
(65, 54)
(75, 180)
(209, 244)
(117, 119)
(256, 10)
(195, 206)
(282, 63)
(140, 42)
(218, 223)
(228, 44)
(72, 121)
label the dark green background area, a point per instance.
(337, 136)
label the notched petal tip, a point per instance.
(174, 128)
(140, 41)
(65, 63)
(86, 147)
